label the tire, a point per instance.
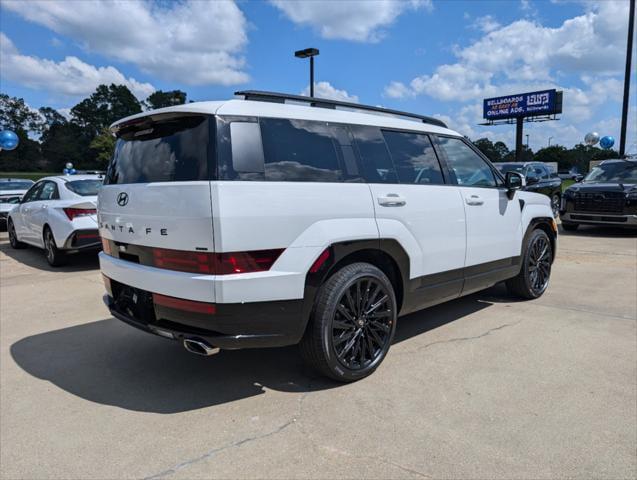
(54, 255)
(341, 341)
(570, 227)
(555, 204)
(535, 271)
(13, 237)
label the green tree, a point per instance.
(554, 153)
(26, 157)
(50, 117)
(160, 99)
(103, 147)
(105, 106)
(486, 146)
(501, 149)
(16, 115)
(68, 142)
(527, 155)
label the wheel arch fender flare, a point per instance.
(387, 254)
(546, 224)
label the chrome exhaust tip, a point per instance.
(199, 347)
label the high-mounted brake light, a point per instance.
(215, 263)
(79, 212)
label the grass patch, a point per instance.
(30, 175)
(567, 183)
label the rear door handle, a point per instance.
(391, 200)
(474, 200)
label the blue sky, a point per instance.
(428, 56)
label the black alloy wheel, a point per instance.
(352, 324)
(535, 271)
(13, 236)
(539, 264)
(362, 324)
(54, 256)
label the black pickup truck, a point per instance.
(606, 196)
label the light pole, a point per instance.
(527, 140)
(550, 141)
(309, 52)
(629, 54)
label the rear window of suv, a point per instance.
(164, 148)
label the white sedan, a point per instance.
(11, 191)
(58, 214)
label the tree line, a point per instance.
(48, 139)
(577, 157)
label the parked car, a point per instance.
(539, 178)
(59, 215)
(260, 223)
(570, 175)
(606, 196)
(11, 190)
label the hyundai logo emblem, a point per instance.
(122, 199)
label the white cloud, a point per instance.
(193, 42)
(527, 52)
(486, 24)
(397, 90)
(71, 76)
(357, 20)
(326, 90)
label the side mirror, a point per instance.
(513, 181)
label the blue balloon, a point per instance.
(607, 142)
(8, 140)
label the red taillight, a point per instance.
(106, 246)
(183, 261)
(244, 262)
(184, 305)
(79, 212)
(215, 263)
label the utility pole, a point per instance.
(519, 129)
(629, 55)
(550, 141)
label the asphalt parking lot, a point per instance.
(481, 387)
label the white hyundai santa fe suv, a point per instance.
(275, 219)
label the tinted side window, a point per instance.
(376, 163)
(465, 164)
(32, 193)
(299, 151)
(414, 158)
(49, 191)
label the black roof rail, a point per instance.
(275, 97)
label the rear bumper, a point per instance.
(232, 326)
(87, 239)
(599, 219)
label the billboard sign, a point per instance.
(521, 105)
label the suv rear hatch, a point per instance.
(156, 194)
